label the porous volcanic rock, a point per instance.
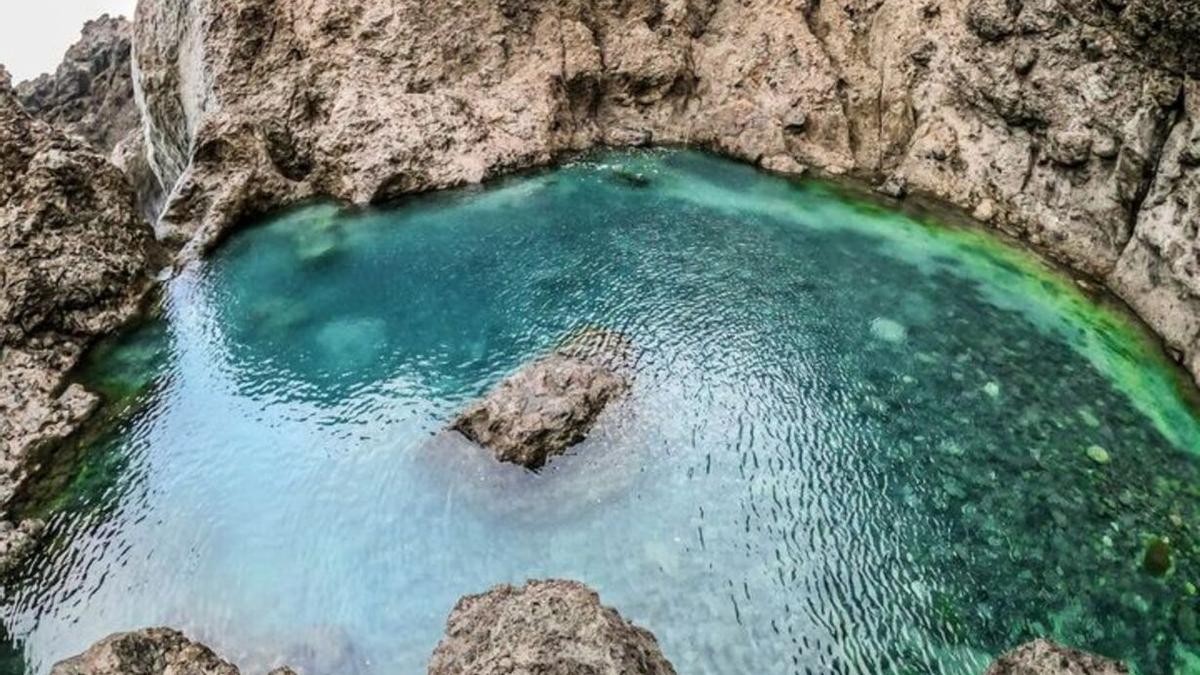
(152, 651)
(551, 404)
(1069, 123)
(1042, 657)
(74, 261)
(551, 627)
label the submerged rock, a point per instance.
(1156, 560)
(553, 627)
(1098, 454)
(1042, 657)
(152, 651)
(551, 404)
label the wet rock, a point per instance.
(1156, 559)
(551, 404)
(74, 262)
(1042, 657)
(548, 627)
(1098, 454)
(153, 651)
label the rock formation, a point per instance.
(90, 96)
(1042, 657)
(153, 651)
(1072, 124)
(74, 260)
(552, 627)
(551, 404)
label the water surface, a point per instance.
(856, 443)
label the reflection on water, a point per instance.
(855, 443)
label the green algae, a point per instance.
(1112, 340)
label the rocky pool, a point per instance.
(855, 443)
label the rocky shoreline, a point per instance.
(1073, 126)
(547, 626)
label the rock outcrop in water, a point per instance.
(1042, 657)
(551, 404)
(153, 651)
(1075, 125)
(548, 626)
(74, 260)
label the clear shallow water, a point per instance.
(856, 444)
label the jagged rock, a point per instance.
(551, 404)
(90, 95)
(74, 261)
(552, 627)
(1054, 114)
(153, 651)
(1042, 657)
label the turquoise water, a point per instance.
(855, 443)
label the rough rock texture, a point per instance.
(73, 263)
(547, 627)
(153, 651)
(1071, 123)
(1042, 657)
(90, 95)
(551, 404)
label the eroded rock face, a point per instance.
(552, 627)
(74, 260)
(1070, 124)
(153, 651)
(90, 95)
(1042, 657)
(551, 404)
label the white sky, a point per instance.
(34, 34)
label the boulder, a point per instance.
(549, 627)
(1043, 657)
(551, 404)
(152, 651)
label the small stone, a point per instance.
(985, 210)
(895, 187)
(1098, 454)
(795, 121)
(992, 389)
(784, 164)
(1156, 560)
(889, 330)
